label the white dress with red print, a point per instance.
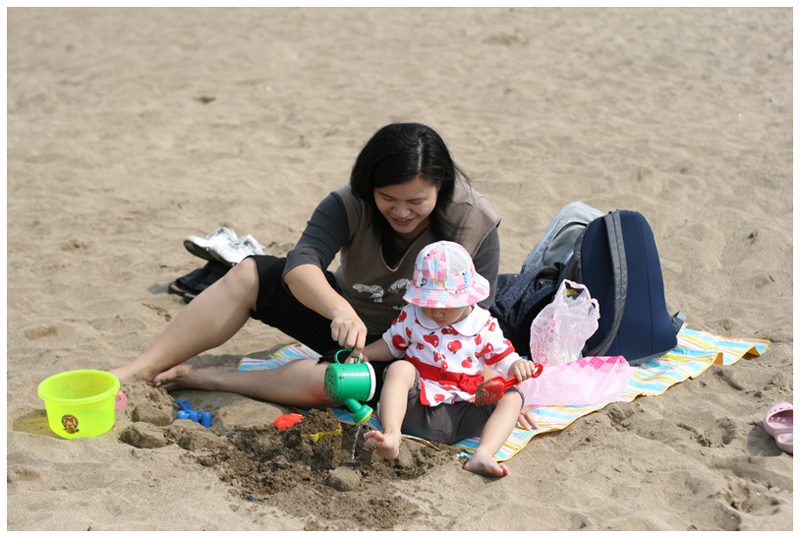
(450, 359)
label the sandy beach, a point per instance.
(130, 129)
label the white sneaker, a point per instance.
(236, 251)
(202, 247)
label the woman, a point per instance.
(404, 193)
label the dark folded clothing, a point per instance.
(190, 285)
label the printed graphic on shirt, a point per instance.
(377, 293)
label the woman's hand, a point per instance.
(350, 332)
(309, 286)
(354, 360)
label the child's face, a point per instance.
(447, 316)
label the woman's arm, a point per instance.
(309, 285)
(326, 232)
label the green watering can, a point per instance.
(351, 384)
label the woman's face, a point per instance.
(407, 206)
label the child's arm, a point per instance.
(380, 350)
(377, 351)
(524, 369)
(501, 357)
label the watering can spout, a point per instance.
(361, 412)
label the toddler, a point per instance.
(447, 340)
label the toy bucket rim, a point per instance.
(75, 401)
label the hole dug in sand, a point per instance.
(264, 461)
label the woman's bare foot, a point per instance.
(188, 376)
(386, 445)
(127, 374)
(486, 466)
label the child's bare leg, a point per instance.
(400, 377)
(494, 434)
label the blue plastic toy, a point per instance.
(187, 412)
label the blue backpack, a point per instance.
(617, 260)
(615, 257)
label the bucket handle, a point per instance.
(122, 402)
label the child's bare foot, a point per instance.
(486, 466)
(187, 376)
(386, 445)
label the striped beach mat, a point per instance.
(696, 352)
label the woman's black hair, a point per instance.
(398, 153)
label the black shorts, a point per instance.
(278, 308)
(446, 423)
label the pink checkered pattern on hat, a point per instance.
(445, 277)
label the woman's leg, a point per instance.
(210, 320)
(299, 382)
(215, 316)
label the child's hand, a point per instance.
(526, 420)
(522, 369)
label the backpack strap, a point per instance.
(619, 266)
(678, 319)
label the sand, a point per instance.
(130, 129)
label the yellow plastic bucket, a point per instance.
(81, 403)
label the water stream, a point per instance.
(355, 442)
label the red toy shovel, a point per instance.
(492, 390)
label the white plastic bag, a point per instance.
(560, 330)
